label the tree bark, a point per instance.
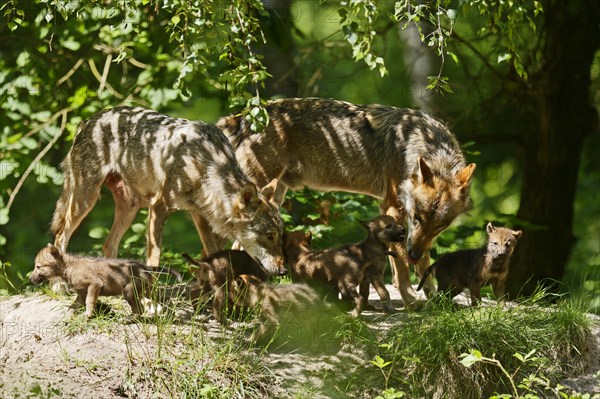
(562, 115)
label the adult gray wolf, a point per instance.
(404, 157)
(150, 160)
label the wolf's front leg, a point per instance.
(157, 218)
(401, 277)
(90, 301)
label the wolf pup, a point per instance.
(150, 160)
(475, 268)
(405, 157)
(347, 267)
(92, 277)
(217, 271)
(277, 302)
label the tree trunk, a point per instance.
(561, 117)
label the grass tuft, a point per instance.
(425, 353)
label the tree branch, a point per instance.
(39, 156)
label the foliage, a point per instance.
(530, 386)
(430, 365)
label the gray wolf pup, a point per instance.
(476, 268)
(92, 277)
(217, 271)
(404, 157)
(347, 267)
(150, 160)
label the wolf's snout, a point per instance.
(414, 256)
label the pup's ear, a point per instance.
(489, 228)
(269, 190)
(464, 175)
(54, 252)
(425, 174)
(517, 233)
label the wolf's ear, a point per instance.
(249, 196)
(517, 234)
(426, 176)
(464, 175)
(54, 252)
(269, 190)
(489, 228)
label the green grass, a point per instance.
(424, 354)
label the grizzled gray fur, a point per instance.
(150, 160)
(405, 157)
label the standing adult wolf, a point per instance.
(150, 160)
(405, 157)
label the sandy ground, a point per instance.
(40, 359)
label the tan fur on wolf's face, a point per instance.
(435, 203)
(48, 264)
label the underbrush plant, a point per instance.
(423, 357)
(532, 385)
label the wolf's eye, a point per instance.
(388, 226)
(494, 243)
(417, 220)
(270, 237)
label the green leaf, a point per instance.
(379, 362)
(71, 44)
(4, 216)
(138, 228)
(98, 232)
(504, 57)
(471, 358)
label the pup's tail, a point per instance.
(427, 273)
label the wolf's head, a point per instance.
(432, 202)
(501, 241)
(49, 264)
(384, 229)
(257, 226)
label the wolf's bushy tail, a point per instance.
(62, 205)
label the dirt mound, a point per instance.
(47, 352)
